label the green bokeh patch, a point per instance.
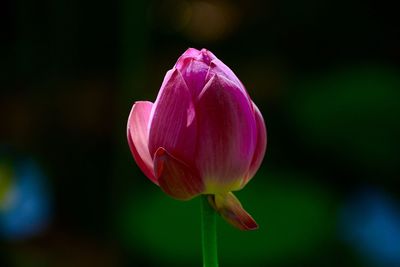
(351, 112)
(295, 218)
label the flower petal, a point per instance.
(261, 145)
(227, 135)
(190, 53)
(218, 67)
(138, 137)
(203, 55)
(175, 177)
(194, 72)
(229, 207)
(173, 124)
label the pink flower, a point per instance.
(203, 135)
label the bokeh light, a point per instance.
(370, 224)
(199, 20)
(25, 207)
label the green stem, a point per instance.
(209, 233)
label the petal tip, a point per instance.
(229, 207)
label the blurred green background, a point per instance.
(325, 75)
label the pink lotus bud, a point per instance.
(203, 135)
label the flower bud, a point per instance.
(202, 135)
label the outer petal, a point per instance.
(218, 67)
(175, 177)
(227, 135)
(261, 145)
(194, 72)
(232, 211)
(138, 137)
(190, 53)
(173, 124)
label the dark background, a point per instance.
(325, 75)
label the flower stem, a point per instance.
(209, 233)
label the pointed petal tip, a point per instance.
(248, 223)
(203, 55)
(191, 51)
(229, 207)
(188, 54)
(241, 220)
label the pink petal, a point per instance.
(175, 177)
(227, 135)
(218, 67)
(194, 72)
(203, 55)
(138, 137)
(232, 211)
(173, 124)
(261, 145)
(207, 54)
(190, 53)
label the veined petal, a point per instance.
(229, 207)
(175, 177)
(194, 72)
(190, 53)
(261, 145)
(138, 137)
(173, 124)
(218, 67)
(227, 135)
